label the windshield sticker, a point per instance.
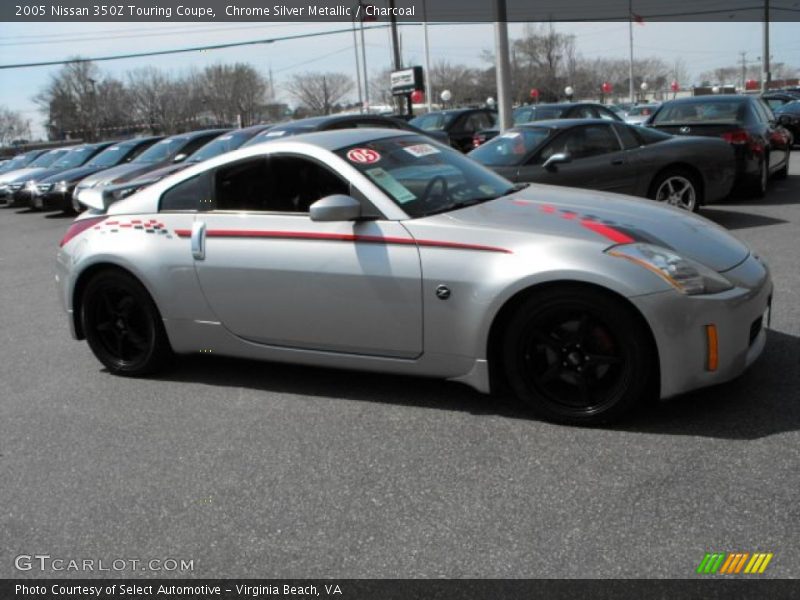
(398, 191)
(114, 148)
(363, 156)
(510, 134)
(274, 133)
(420, 150)
(226, 137)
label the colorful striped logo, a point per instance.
(734, 563)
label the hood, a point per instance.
(71, 175)
(20, 174)
(119, 174)
(609, 219)
(41, 174)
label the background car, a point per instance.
(173, 149)
(219, 145)
(13, 181)
(776, 99)
(55, 191)
(460, 124)
(333, 122)
(761, 145)
(638, 114)
(788, 116)
(541, 112)
(39, 184)
(375, 250)
(615, 157)
(20, 160)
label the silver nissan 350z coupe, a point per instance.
(378, 250)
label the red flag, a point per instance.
(638, 19)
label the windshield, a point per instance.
(432, 121)
(161, 150)
(15, 163)
(537, 113)
(75, 158)
(111, 156)
(701, 110)
(48, 158)
(641, 111)
(220, 145)
(424, 178)
(511, 147)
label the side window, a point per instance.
(585, 112)
(628, 138)
(289, 184)
(473, 123)
(583, 142)
(192, 194)
(766, 109)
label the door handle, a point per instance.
(618, 161)
(199, 240)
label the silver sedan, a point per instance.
(378, 250)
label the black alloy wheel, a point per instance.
(123, 326)
(577, 355)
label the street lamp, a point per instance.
(644, 87)
(446, 96)
(490, 102)
(569, 92)
(715, 89)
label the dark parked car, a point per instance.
(226, 142)
(546, 112)
(761, 145)
(459, 124)
(777, 99)
(13, 181)
(56, 191)
(20, 160)
(173, 149)
(74, 157)
(613, 157)
(340, 122)
(788, 115)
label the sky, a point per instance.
(703, 46)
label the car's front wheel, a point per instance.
(577, 355)
(123, 326)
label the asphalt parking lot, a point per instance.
(269, 470)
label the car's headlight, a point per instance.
(62, 186)
(685, 275)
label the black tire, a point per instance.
(783, 172)
(761, 183)
(547, 344)
(123, 326)
(679, 175)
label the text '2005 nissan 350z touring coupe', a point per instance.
(378, 250)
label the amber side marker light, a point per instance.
(713, 347)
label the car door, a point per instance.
(597, 161)
(273, 276)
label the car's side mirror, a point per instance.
(556, 159)
(179, 157)
(337, 207)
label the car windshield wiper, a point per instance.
(460, 204)
(514, 188)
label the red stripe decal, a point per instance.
(607, 231)
(340, 237)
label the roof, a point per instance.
(710, 98)
(565, 123)
(341, 138)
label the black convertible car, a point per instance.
(614, 157)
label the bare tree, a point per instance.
(319, 92)
(234, 93)
(12, 126)
(70, 101)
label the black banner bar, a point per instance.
(387, 589)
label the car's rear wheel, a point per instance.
(123, 326)
(760, 187)
(577, 355)
(676, 187)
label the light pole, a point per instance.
(445, 96)
(503, 65)
(644, 87)
(569, 92)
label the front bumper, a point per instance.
(53, 200)
(679, 323)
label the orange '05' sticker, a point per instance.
(363, 156)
